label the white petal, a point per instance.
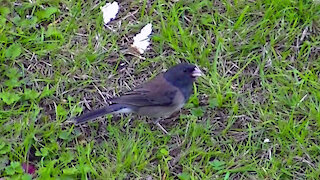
(141, 41)
(109, 11)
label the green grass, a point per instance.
(262, 64)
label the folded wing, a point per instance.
(157, 92)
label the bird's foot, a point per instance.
(162, 128)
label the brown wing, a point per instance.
(157, 92)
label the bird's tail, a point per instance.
(113, 108)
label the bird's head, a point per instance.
(183, 74)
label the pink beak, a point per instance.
(197, 72)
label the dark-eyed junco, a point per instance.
(157, 98)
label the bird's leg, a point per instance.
(156, 122)
(128, 122)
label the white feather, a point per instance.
(123, 110)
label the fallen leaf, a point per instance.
(28, 168)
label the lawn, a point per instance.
(254, 115)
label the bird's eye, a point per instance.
(184, 70)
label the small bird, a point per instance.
(157, 98)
